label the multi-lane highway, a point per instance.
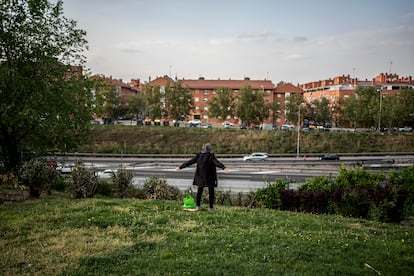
(243, 176)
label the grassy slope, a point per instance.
(111, 139)
(142, 237)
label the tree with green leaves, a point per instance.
(45, 101)
(107, 99)
(250, 106)
(320, 112)
(136, 105)
(222, 105)
(361, 109)
(154, 101)
(178, 100)
(403, 108)
(292, 103)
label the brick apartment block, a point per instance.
(203, 90)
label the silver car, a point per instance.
(256, 156)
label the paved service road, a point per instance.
(243, 176)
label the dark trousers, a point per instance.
(210, 196)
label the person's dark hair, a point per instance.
(206, 148)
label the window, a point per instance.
(197, 108)
(205, 92)
(206, 108)
(196, 91)
(205, 100)
(196, 99)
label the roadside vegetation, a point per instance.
(177, 140)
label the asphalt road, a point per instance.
(243, 176)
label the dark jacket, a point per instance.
(206, 174)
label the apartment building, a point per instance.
(203, 90)
(281, 95)
(344, 86)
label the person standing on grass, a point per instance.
(206, 174)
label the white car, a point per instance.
(256, 156)
(107, 173)
(406, 129)
(195, 122)
(65, 169)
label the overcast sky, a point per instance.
(295, 41)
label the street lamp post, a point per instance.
(298, 142)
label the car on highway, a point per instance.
(65, 168)
(330, 156)
(256, 156)
(106, 174)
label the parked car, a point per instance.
(227, 124)
(140, 122)
(95, 122)
(243, 126)
(330, 156)
(288, 127)
(256, 156)
(205, 125)
(195, 122)
(179, 123)
(406, 129)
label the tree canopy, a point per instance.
(45, 102)
(222, 105)
(178, 101)
(250, 107)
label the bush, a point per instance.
(269, 196)
(10, 190)
(351, 202)
(84, 181)
(105, 188)
(317, 183)
(122, 182)
(315, 202)
(38, 177)
(59, 183)
(357, 177)
(156, 187)
(404, 178)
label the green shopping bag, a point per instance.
(189, 201)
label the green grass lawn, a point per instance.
(102, 236)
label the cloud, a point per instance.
(258, 37)
(408, 15)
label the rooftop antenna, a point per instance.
(390, 66)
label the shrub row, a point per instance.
(354, 193)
